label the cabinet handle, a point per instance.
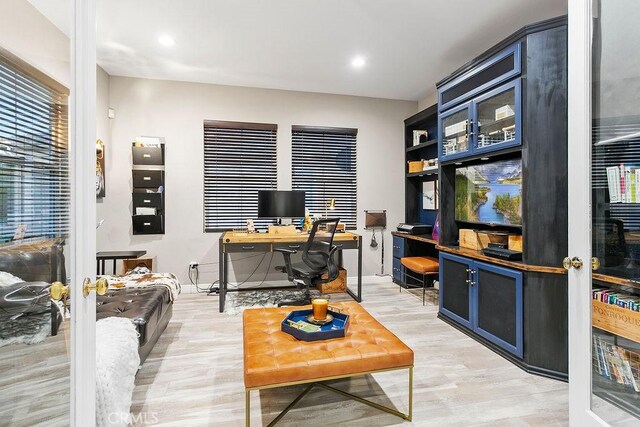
(146, 155)
(147, 200)
(472, 283)
(468, 270)
(146, 224)
(146, 178)
(248, 248)
(294, 246)
(467, 281)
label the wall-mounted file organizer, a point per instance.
(148, 186)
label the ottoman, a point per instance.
(273, 358)
(150, 310)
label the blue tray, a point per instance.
(336, 329)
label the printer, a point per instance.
(415, 229)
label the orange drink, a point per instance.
(320, 306)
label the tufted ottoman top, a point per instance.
(273, 357)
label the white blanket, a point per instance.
(117, 362)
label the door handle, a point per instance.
(100, 286)
(574, 262)
(58, 291)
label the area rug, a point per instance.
(237, 302)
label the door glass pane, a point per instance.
(616, 211)
(455, 129)
(497, 119)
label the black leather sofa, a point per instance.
(150, 309)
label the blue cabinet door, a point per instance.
(398, 271)
(455, 293)
(454, 132)
(497, 119)
(497, 314)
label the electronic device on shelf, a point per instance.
(502, 253)
(415, 229)
(497, 245)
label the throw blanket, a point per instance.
(117, 362)
(141, 277)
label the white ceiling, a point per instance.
(304, 45)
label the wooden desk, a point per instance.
(265, 242)
(101, 257)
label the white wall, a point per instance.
(428, 100)
(176, 110)
(26, 33)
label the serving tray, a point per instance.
(336, 329)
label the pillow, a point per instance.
(8, 279)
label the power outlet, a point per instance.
(193, 264)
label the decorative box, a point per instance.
(335, 286)
(336, 329)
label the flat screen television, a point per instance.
(490, 193)
(280, 204)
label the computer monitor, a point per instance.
(280, 204)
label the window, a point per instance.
(324, 165)
(239, 160)
(34, 162)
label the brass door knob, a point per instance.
(58, 291)
(574, 262)
(595, 263)
(100, 286)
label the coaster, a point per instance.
(313, 320)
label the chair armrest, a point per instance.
(287, 260)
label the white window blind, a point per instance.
(324, 166)
(34, 163)
(239, 160)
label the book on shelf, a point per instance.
(616, 363)
(620, 299)
(623, 182)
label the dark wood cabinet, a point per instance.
(455, 295)
(148, 188)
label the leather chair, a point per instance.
(317, 260)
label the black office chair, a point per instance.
(317, 259)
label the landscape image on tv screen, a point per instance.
(490, 193)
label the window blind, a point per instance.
(239, 160)
(324, 166)
(34, 162)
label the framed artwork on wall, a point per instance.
(430, 195)
(100, 170)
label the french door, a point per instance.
(47, 195)
(604, 207)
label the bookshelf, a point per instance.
(615, 171)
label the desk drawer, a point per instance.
(297, 246)
(346, 244)
(247, 247)
(398, 247)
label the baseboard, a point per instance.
(188, 288)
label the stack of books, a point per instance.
(616, 363)
(620, 299)
(624, 183)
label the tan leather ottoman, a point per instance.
(273, 358)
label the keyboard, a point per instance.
(506, 254)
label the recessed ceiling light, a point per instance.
(358, 62)
(166, 40)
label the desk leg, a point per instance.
(222, 275)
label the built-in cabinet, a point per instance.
(509, 104)
(473, 291)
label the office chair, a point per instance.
(317, 259)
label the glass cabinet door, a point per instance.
(455, 132)
(497, 118)
(615, 227)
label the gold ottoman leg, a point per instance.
(247, 408)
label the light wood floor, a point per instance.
(193, 376)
